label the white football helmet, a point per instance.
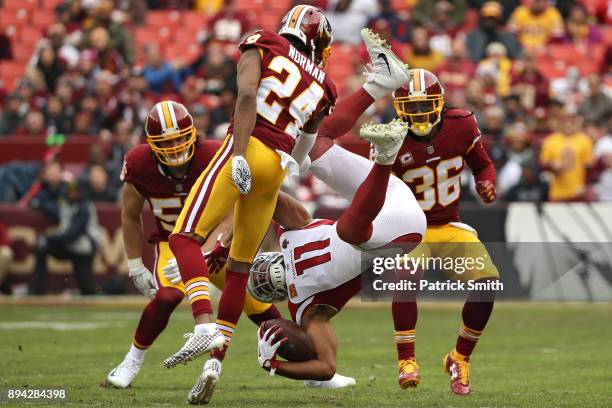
(267, 278)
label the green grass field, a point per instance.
(548, 355)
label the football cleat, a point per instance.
(123, 375)
(385, 68)
(337, 381)
(387, 139)
(203, 389)
(196, 345)
(459, 371)
(409, 376)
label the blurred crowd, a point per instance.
(549, 135)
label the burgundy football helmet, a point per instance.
(170, 133)
(420, 103)
(310, 26)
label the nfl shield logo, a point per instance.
(430, 149)
(406, 158)
(179, 188)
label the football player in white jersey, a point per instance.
(319, 268)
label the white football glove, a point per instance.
(267, 346)
(171, 272)
(143, 279)
(241, 174)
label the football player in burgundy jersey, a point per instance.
(440, 140)
(283, 94)
(161, 173)
(346, 173)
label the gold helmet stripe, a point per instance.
(167, 115)
(295, 16)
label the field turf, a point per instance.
(543, 355)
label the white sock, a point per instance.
(136, 354)
(376, 91)
(205, 328)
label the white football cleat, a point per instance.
(387, 139)
(203, 389)
(338, 381)
(387, 70)
(196, 345)
(123, 375)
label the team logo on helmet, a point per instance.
(170, 133)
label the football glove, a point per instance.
(171, 271)
(241, 174)
(216, 257)
(143, 279)
(267, 347)
(486, 191)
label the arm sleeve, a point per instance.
(481, 164)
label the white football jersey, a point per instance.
(316, 260)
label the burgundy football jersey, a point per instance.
(291, 90)
(164, 194)
(432, 169)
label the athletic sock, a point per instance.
(194, 272)
(155, 316)
(355, 224)
(232, 301)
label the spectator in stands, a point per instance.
(222, 113)
(57, 39)
(518, 153)
(13, 114)
(216, 68)
(107, 58)
(578, 27)
(603, 12)
(422, 55)
(348, 17)
(536, 23)
(496, 69)
(603, 156)
(107, 100)
(455, 72)
(6, 47)
(170, 4)
(96, 186)
(513, 110)
(50, 67)
(6, 253)
(159, 74)
(597, 107)
(490, 30)
(398, 21)
(57, 119)
(424, 10)
(201, 119)
(530, 189)
(492, 124)
(530, 83)
(120, 38)
(76, 239)
(567, 154)
(508, 9)
(228, 25)
(441, 28)
(33, 125)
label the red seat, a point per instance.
(29, 36)
(18, 18)
(42, 19)
(22, 54)
(163, 18)
(10, 72)
(193, 20)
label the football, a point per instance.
(298, 347)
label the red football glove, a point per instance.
(486, 191)
(216, 257)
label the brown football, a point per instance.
(298, 347)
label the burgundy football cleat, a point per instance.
(459, 371)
